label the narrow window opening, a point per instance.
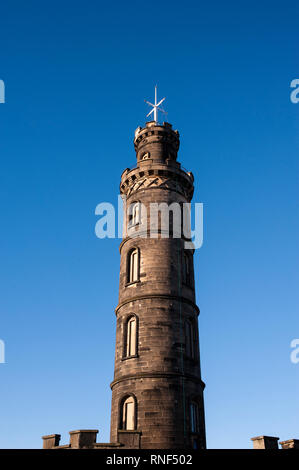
(133, 266)
(187, 272)
(128, 414)
(134, 215)
(194, 417)
(131, 341)
(190, 339)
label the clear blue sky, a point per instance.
(76, 75)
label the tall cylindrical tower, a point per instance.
(157, 391)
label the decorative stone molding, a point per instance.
(158, 296)
(161, 177)
(158, 375)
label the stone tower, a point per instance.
(157, 391)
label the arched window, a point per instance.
(134, 213)
(190, 338)
(194, 417)
(187, 270)
(133, 265)
(131, 337)
(128, 411)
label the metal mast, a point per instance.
(156, 107)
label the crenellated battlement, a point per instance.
(86, 439)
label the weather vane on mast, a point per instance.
(156, 107)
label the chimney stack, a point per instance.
(50, 441)
(265, 442)
(83, 438)
(290, 444)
